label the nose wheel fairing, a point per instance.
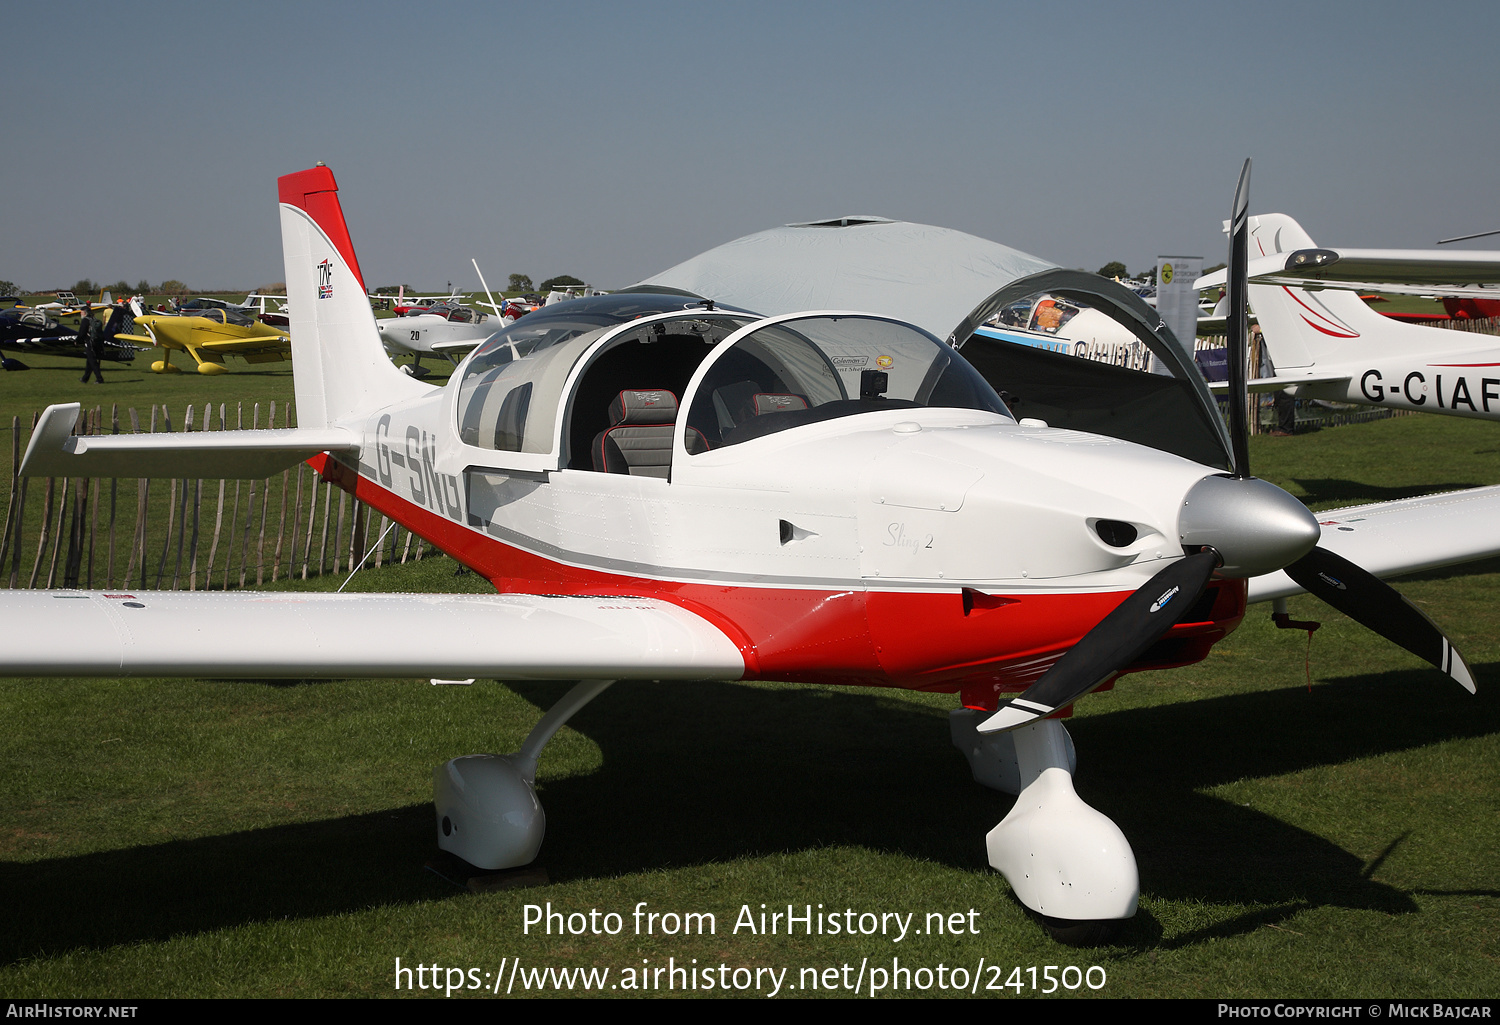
(1063, 859)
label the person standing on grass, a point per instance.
(88, 337)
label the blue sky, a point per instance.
(611, 140)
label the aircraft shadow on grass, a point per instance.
(702, 773)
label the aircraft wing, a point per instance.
(54, 451)
(255, 343)
(1214, 325)
(1405, 536)
(256, 635)
(461, 348)
(1372, 269)
(1265, 384)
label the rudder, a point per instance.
(340, 369)
(1304, 327)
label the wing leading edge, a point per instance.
(308, 636)
(1405, 536)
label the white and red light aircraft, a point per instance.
(663, 488)
(1327, 343)
(435, 330)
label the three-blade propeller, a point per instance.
(1143, 618)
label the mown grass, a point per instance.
(243, 838)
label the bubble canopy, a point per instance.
(560, 391)
(513, 387)
(813, 367)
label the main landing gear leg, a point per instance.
(1065, 861)
(487, 811)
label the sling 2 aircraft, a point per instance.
(661, 487)
(1327, 343)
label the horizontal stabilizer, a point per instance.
(1265, 384)
(1405, 536)
(55, 451)
(264, 635)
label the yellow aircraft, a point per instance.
(209, 335)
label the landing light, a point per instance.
(1305, 258)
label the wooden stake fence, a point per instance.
(83, 532)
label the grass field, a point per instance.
(234, 838)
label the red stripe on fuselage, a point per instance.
(882, 638)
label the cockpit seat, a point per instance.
(639, 440)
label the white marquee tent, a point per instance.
(929, 276)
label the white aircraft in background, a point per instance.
(1327, 343)
(1068, 327)
(661, 487)
(436, 330)
(446, 328)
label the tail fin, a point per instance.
(340, 368)
(1305, 327)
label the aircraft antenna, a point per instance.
(486, 287)
(1465, 238)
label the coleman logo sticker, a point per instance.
(1161, 602)
(325, 280)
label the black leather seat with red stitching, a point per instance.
(639, 440)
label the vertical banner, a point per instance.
(1176, 298)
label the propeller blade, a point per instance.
(1237, 323)
(1118, 640)
(1368, 600)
